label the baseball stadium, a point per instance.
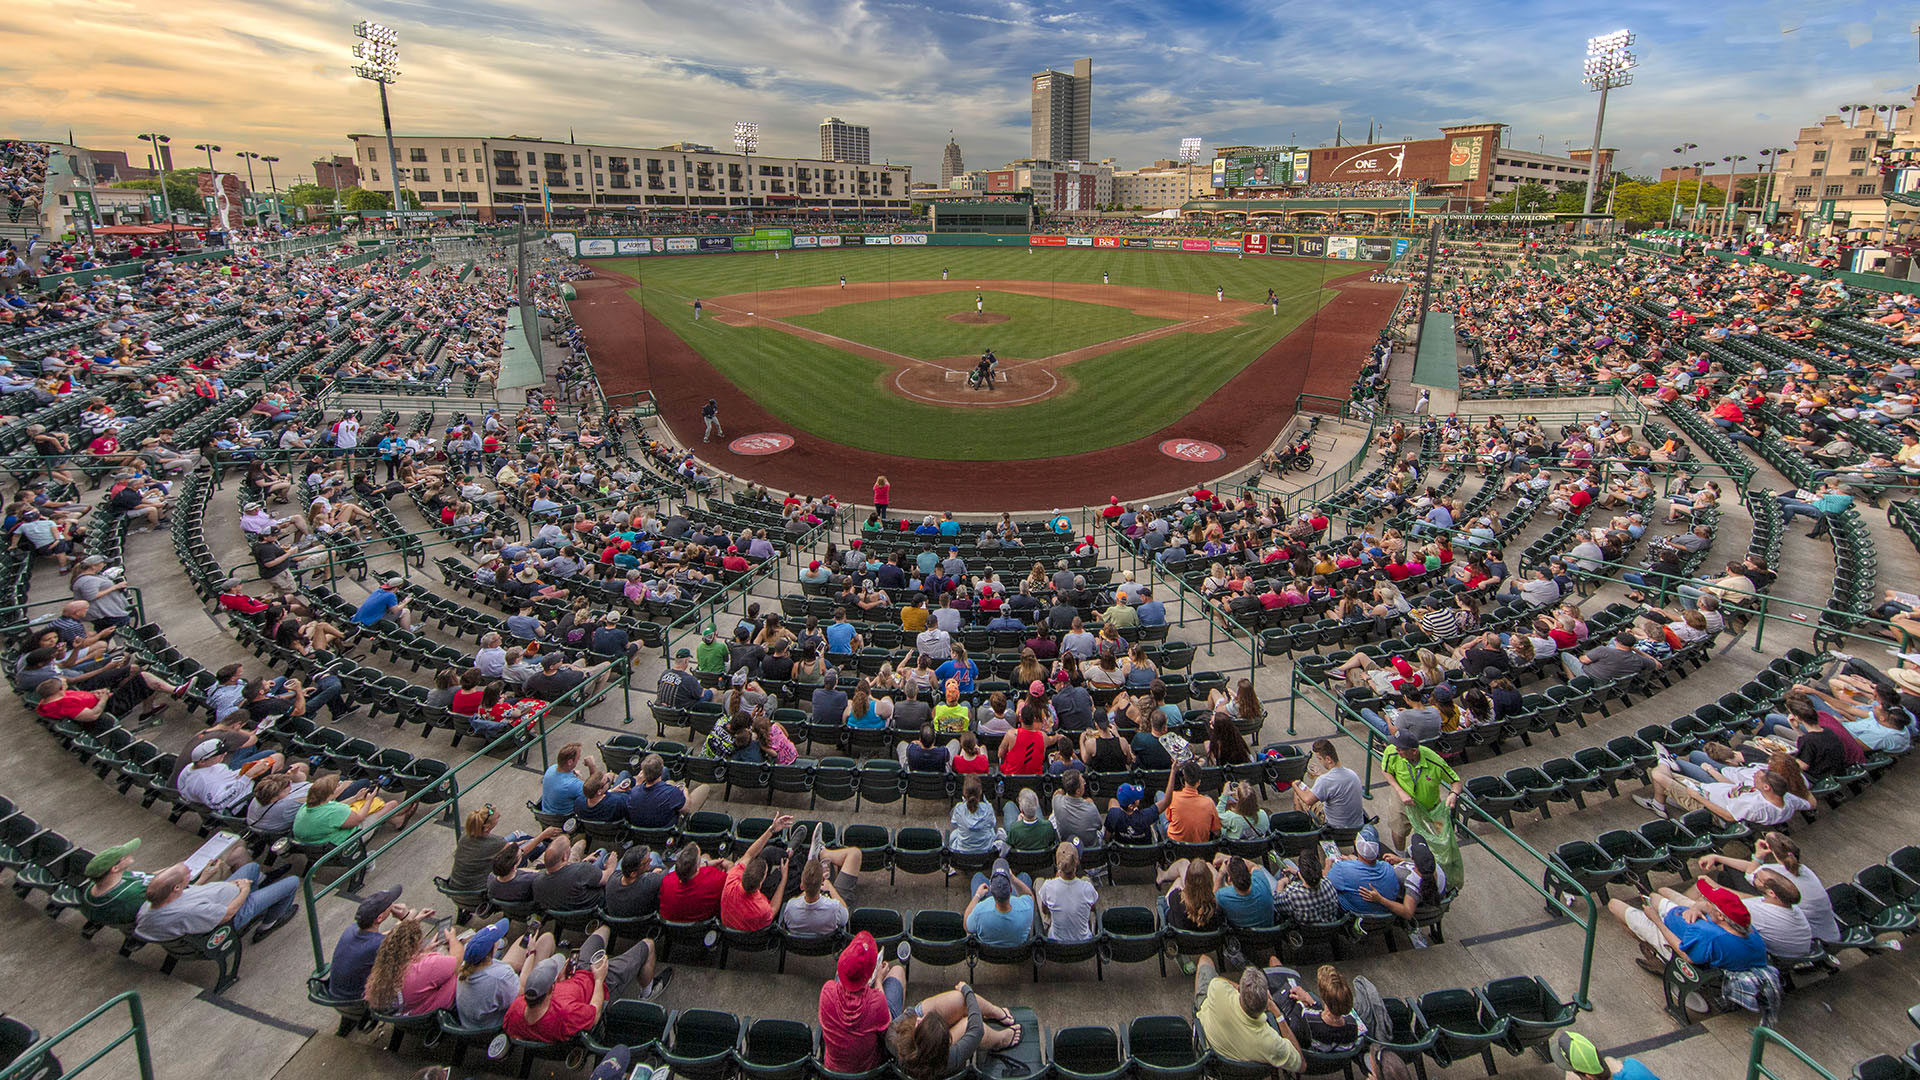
(642, 600)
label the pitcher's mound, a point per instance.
(977, 317)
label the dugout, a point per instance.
(998, 216)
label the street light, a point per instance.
(746, 139)
(160, 165)
(1673, 207)
(379, 49)
(213, 180)
(1733, 165)
(1893, 114)
(1189, 153)
(1609, 62)
(1854, 112)
(274, 185)
(249, 157)
(1770, 157)
(1699, 188)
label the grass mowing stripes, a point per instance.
(1036, 326)
(1113, 398)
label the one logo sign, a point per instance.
(1192, 450)
(761, 444)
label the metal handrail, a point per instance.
(1757, 1069)
(1235, 632)
(1588, 923)
(34, 1058)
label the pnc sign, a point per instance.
(1195, 450)
(761, 444)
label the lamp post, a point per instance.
(1699, 188)
(274, 186)
(746, 139)
(1854, 112)
(160, 165)
(1609, 60)
(249, 157)
(1770, 157)
(1673, 207)
(1893, 114)
(379, 51)
(1733, 165)
(1189, 153)
(213, 179)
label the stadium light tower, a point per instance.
(1189, 153)
(379, 52)
(1699, 188)
(213, 178)
(746, 139)
(1610, 61)
(1733, 165)
(1673, 207)
(1770, 158)
(249, 157)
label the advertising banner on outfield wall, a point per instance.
(596, 247)
(1400, 246)
(564, 239)
(1279, 245)
(1193, 244)
(641, 245)
(716, 244)
(1079, 241)
(1310, 247)
(829, 241)
(683, 243)
(1342, 247)
(806, 241)
(1376, 248)
(1225, 247)
(1137, 241)
(1165, 243)
(1106, 241)
(877, 241)
(1047, 241)
(765, 240)
(1254, 243)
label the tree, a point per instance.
(359, 200)
(1528, 198)
(1645, 203)
(309, 195)
(183, 188)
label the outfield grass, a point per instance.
(1036, 326)
(1114, 398)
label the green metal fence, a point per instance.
(1757, 1067)
(39, 1059)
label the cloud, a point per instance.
(274, 75)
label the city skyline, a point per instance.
(275, 77)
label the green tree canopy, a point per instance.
(1526, 199)
(359, 200)
(183, 187)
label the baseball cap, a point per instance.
(1367, 844)
(375, 905)
(206, 749)
(1037, 689)
(614, 1066)
(541, 979)
(814, 565)
(1000, 885)
(1576, 1053)
(683, 654)
(480, 945)
(1129, 794)
(98, 866)
(1406, 740)
(1728, 901)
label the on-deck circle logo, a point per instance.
(1192, 450)
(761, 444)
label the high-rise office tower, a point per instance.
(1062, 113)
(950, 163)
(841, 141)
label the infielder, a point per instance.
(943, 273)
(843, 281)
(1104, 279)
(696, 309)
(1220, 293)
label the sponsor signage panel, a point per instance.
(682, 243)
(716, 243)
(1166, 243)
(642, 245)
(806, 241)
(1400, 245)
(1254, 243)
(1198, 450)
(910, 239)
(761, 443)
(1279, 245)
(1342, 247)
(1463, 159)
(877, 241)
(1311, 247)
(765, 240)
(564, 239)
(1231, 247)
(1079, 241)
(596, 246)
(1047, 241)
(1106, 241)
(1375, 248)
(1137, 241)
(830, 241)
(1194, 244)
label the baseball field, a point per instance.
(880, 364)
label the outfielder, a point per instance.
(696, 309)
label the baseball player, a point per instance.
(943, 273)
(1104, 279)
(696, 309)
(843, 281)
(1220, 293)
(710, 413)
(979, 303)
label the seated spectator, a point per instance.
(176, 908)
(488, 986)
(1235, 1018)
(1006, 918)
(353, 954)
(1067, 899)
(560, 999)
(1335, 797)
(691, 891)
(1715, 931)
(508, 881)
(857, 1006)
(940, 1036)
(635, 893)
(1130, 820)
(743, 906)
(1243, 891)
(1362, 870)
(570, 882)
(1325, 1025)
(116, 890)
(414, 974)
(976, 828)
(333, 815)
(1191, 816)
(1076, 819)
(474, 851)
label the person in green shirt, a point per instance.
(1427, 788)
(711, 656)
(117, 891)
(328, 818)
(1026, 829)
(951, 717)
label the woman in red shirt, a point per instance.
(971, 759)
(882, 496)
(467, 700)
(1023, 751)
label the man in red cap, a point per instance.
(733, 561)
(858, 1004)
(1714, 931)
(1113, 509)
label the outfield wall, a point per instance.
(1354, 247)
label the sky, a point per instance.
(274, 76)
